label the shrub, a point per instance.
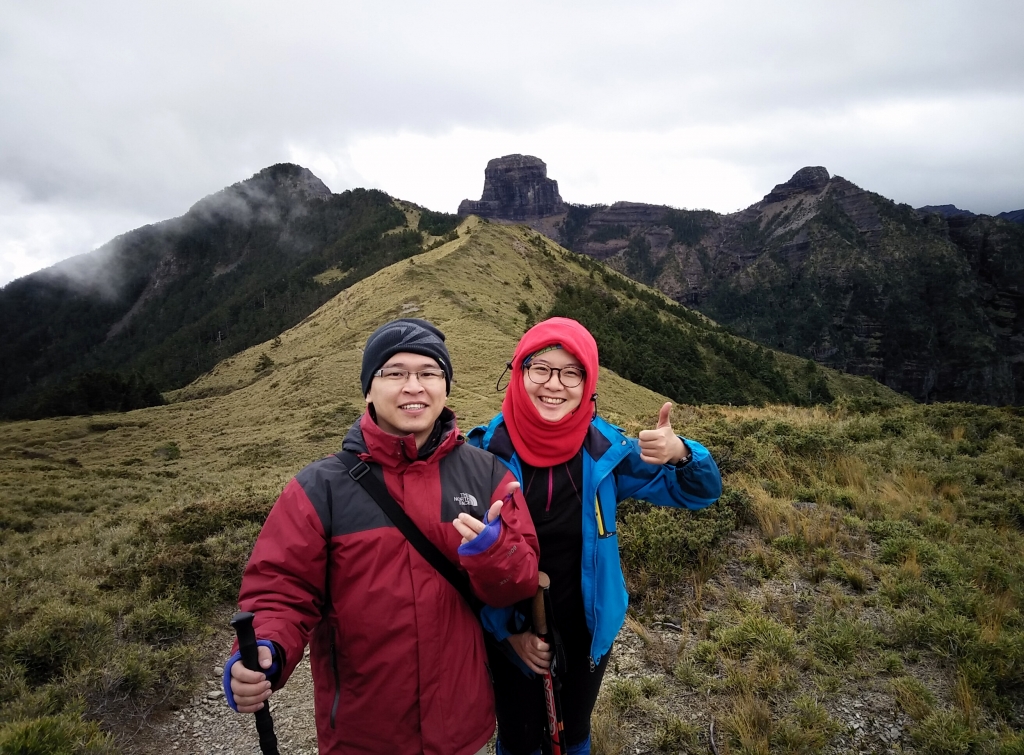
(808, 730)
(160, 623)
(264, 363)
(944, 733)
(760, 633)
(55, 735)
(664, 544)
(673, 735)
(195, 522)
(839, 640)
(168, 451)
(625, 694)
(59, 639)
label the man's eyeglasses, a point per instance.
(569, 377)
(400, 376)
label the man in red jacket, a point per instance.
(397, 655)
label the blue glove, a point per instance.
(237, 657)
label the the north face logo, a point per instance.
(466, 500)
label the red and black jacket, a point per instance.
(397, 655)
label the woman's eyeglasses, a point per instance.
(569, 377)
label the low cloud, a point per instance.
(137, 111)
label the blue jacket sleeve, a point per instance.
(694, 485)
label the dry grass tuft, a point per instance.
(750, 725)
(913, 697)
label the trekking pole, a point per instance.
(242, 622)
(551, 684)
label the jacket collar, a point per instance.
(370, 443)
(596, 443)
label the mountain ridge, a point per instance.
(171, 299)
(929, 304)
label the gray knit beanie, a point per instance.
(408, 334)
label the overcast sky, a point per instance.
(117, 114)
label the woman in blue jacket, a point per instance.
(574, 467)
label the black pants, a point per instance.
(519, 700)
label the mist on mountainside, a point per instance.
(170, 300)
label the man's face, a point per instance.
(409, 405)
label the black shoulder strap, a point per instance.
(359, 471)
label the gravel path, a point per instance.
(208, 725)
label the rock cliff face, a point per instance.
(516, 187)
(928, 302)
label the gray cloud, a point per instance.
(119, 110)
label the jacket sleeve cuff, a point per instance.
(484, 540)
(689, 454)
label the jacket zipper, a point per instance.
(602, 530)
(337, 681)
(600, 534)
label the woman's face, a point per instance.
(552, 399)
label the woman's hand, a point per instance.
(661, 445)
(533, 650)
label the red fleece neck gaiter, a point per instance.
(538, 442)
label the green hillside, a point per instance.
(867, 551)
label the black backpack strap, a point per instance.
(359, 471)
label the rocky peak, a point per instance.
(293, 178)
(809, 180)
(275, 189)
(516, 187)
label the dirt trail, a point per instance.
(208, 725)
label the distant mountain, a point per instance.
(952, 211)
(170, 300)
(926, 304)
(946, 210)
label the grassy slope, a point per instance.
(869, 601)
(123, 532)
(469, 287)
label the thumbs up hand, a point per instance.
(661, 445)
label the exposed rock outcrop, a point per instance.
(927, 302)
(516, 187)
(810, 180)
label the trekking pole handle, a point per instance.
(540, 619)
(242, 623)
